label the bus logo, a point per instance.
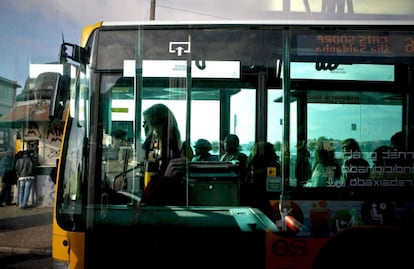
(179, 48)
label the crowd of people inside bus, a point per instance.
(168, 154)
(327, 170)
(163, 146)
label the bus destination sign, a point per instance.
(370, 44)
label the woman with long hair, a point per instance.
(164, 157)
(325, 168)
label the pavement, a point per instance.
(26, 231)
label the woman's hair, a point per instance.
(262, 155)
(162, 121)
(377, 156)
(233, 143)
(325, 155)
(351, 145)
(397, 141)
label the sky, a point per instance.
(31, 30)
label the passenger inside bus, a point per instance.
(303, 167)
(397, 141)
(233, 154)
(202, 151)
(163, 150)
(354, 166)
(380, 161)
(401, 157)
(326, 170)
(261, 161)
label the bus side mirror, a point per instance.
(76, 53)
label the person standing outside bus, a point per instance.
(25, 177)
(6, 174)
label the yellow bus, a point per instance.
(304, 87)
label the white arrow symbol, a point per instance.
(179, 51)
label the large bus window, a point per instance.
(242, 117)
(205, 122)
(366, 114)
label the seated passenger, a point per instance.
(402, 160)
(354, 166)
(233, 153)
(202, 151)
(382, 164)
(261, 157)
(326, 170)
(397, 141)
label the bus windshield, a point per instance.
(215, 80)
(263, 128)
